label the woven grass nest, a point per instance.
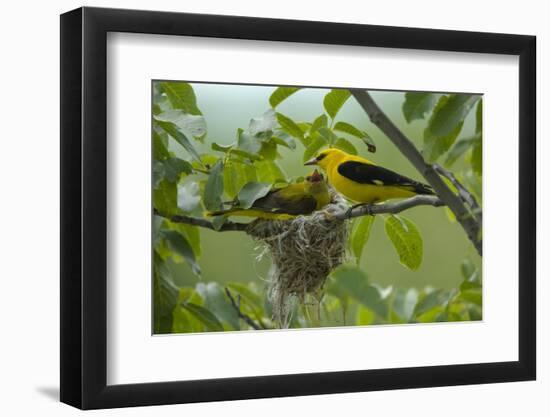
(303, 251)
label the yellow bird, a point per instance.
(364, 182)
(287, 202)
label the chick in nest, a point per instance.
(288, 202)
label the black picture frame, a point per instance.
(84, 207)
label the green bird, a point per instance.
(285, 203)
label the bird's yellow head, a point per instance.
(316, 185)
(327, 158)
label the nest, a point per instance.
(304, 251)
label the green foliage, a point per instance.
(176, 133)
(280, 94)
(351, 299)
(334, 101)
(345, 145)
(165, 297)
(445, 125)
(360, 235)
(450, 113)
(406, 240)
(180, 246)
(416, 105)
(251, 192)
(187, 180)
(165, 197)
(314, 147)
(214, 187)
(353, 131)
(181, 96)
(289, 126)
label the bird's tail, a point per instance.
(423, 189)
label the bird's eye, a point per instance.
(321, 156)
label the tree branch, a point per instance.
(463, 193)
(237, 306)
(228, 226)
(389, 208)
(408, 149)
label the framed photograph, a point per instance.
(257, 208)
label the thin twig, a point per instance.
(389, 208)
(228, 226)
(237, 306)
(463, 193)
(469, 223)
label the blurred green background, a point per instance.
(233, 256)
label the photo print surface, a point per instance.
(282, 207)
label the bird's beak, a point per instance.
(312, 161)
(315, 177)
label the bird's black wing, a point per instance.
(277, 203)
(375, 175)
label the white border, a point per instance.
(134, 356)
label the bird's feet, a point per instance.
(367, 209)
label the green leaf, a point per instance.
(404, 302)
(467, 268)
(435, 146)
(269, 150)
(458, 149)
(319, 122)
(190, 124)
(360, 235)
(235, 176)
(191, 233)
(179, 137)
(436, 298)
(365, 316)
(334, 101)
(477, 157)
(229, 149)
(269, 171)
(185, 322)
(289, 126)
(232, 178)
(179, 244)
(158, 173)
(353, 131)
(328, 134)
(314, 147)
(345, 145)
(189, 197)
(280, 94)
(350, 281)
(165, 197)
(213, 190)
(265, 123)
(479, 117)
(451, 112)
(406, 240)
(284, 139)
(205, 316)
(416, 105)
(165, 296)
(473, 295)
(181, 96)
(248, 143)
(251, 192)
(216, 301)
(160, 146)
(174, 167)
